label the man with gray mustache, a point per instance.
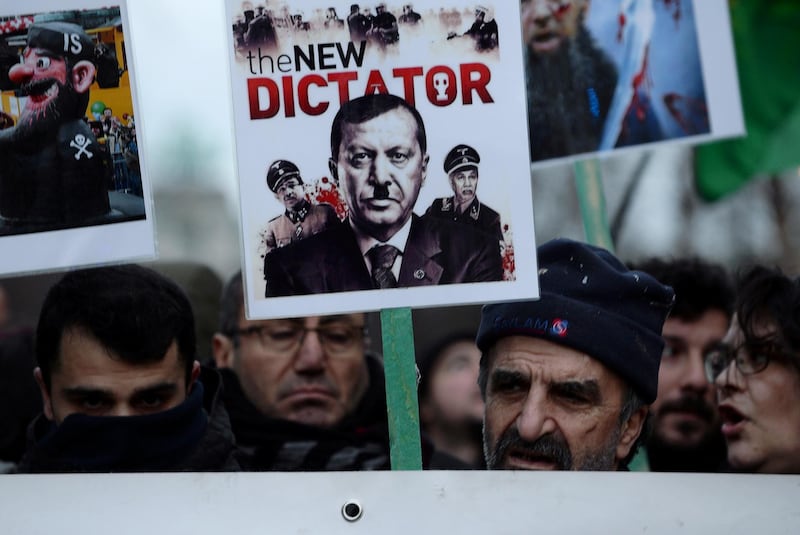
(568, 378)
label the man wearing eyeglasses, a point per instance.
(303, 393)
(301, 218)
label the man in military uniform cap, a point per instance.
(301, 218)
(461, 166)
(51, 171)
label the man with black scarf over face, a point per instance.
(570, 80)
(51, 172)
(121, 389)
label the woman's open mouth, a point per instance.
(732, 421)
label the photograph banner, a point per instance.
(72, 189)
(382, 155)
(604, 76)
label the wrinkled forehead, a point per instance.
(547, 363)
(543, 355)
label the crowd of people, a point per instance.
(119, 151)
(262, 26)
(667, 365)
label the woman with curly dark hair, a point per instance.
(757, 374)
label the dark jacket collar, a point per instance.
(360, 441)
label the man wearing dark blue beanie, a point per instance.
(568, 378)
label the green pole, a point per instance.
(589, 182)
(401, 389)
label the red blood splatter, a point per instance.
(562, 9)
(621, 20)
(690, 113)
(641, 81)
(325, 191)
(508, 263)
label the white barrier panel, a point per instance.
(488, 503)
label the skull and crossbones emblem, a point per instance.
(81, 142)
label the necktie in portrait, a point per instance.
(382, 258)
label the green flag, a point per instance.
(767, 39)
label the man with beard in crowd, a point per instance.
(686, 428)
(567, 379)
(51, 172)
(570, 80)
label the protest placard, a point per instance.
(367, 132)
(72, 188)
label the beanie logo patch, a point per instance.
(535, 325)
(559, 327)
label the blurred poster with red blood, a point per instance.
(382, 155)
(606, 76)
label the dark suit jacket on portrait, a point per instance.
(437, 252)
(478, 215)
